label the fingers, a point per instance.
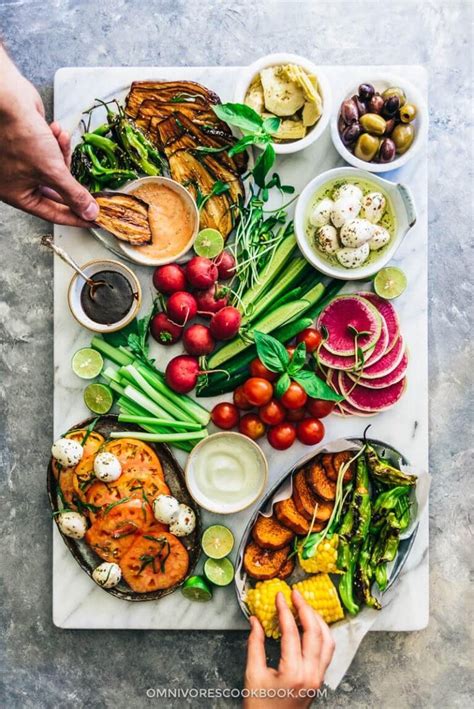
(328, 646)
(50, 211)
(74, 195)
(256, 658)
(64, 141)
(312, 634)
(290, 637)
(51, 194)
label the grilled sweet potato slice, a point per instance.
(319, 482)
(264, 564)
(333, 461)
(125, 216)
(268, 533)
(306, 501)
(289, 516)
(287, 568)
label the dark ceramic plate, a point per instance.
(384, 451)
(174, 478)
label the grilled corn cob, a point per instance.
(261, 603)
(324, 559)
(320, 592)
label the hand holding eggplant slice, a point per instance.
(125, 216)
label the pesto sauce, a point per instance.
(388, 220)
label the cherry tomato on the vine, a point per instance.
(294, 397)
(251, 426)
(319, 408)
(310, 431)
(225, 415)
(240, 400)
(311, 337)
(282, 436)
(258, 369)
(258, 391)
(272, 413)
(296, 414)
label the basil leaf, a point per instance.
(271, 352)
(239, 115)
(272, 124)
(243, 144)
(263, 164)
(315, 387)
(282, 385)
(298, 359)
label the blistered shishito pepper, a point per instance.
(135, 147)
(346, 586)
(361, 504)
(386, 546)
(381, 576)
(106, 146)
(384, 472)
(364, 573)
(343, 554)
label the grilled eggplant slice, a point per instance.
(165, 91)
(125, 216)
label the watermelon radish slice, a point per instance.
(343, 408)
(388, 313)
(392, 378)
(342, 316)
(366, 399)
(347, 363)
(387, 363)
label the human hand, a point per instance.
(303, 661)
(34, 167)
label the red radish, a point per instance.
(225, 263)
(182, 373)
(198, 341)
(226, 323)
(169, 279)
(210, 301)
(181, 307)
(164, 331)
(201, 272)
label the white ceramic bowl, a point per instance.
(382, 82)
(203, 450)
(316, 131)
(405, 216)
(77, 283)
(131, 251)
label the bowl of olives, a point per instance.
(380, 124)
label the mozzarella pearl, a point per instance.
(321, 213)
(67, 452)
(380, 237)
(356, 232)
(107, 575)
(72, 524)
(107, 467)
(373, 205)
(165, 507)
(353, 258)
(183, 522)
(344, 210)
(348, 191)
(327, 239)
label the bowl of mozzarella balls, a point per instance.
(349, 222)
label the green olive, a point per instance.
(366, 147)
(373, 123)
(408, 113)
(395, 91)
(402, 136)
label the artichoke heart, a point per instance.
(282, 96)
(290, 129)
(254, 96)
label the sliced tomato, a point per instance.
(93, 443)
(135, 455)
(116, 528)
(141, 484)
(101, 495)
(156, 560)
(66, 485)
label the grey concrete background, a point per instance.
(46, 667)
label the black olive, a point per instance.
(366, 91)
(351, 133)
(391, 106)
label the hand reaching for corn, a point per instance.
(303, 662)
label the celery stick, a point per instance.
(143, 401)
(111, 375)
(112, 353)
(130, 407)
(155, 395)
(132, 418)
(116, 387)
(161, 437)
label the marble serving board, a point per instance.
(77, 601)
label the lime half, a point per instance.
(390, 282)
(217, 541)
(196, 588)
(209, 243)
(220, 572)
(98, 398)
(87, 363)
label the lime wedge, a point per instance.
(220, 572)
(217, 541)
(390, 282)
(196, 588)
(98, 398)
(209, 243)
(87, 363)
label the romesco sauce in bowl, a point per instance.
(173, 218)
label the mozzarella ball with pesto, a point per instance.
(380, 237)
(67, 452)
(356, 232)
(183, 522)
(327, 239)
(321, 213)
(348, 191)
(107, 575)
(353, 258)
(373, 205)
(107, 467)
(344, 210)
(164, 508)
(72, 524)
